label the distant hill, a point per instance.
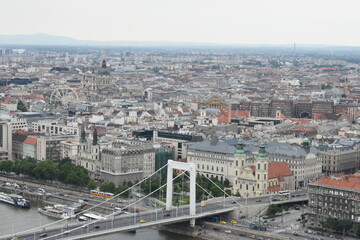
(36, 39)
(51, 40)
(42, 39)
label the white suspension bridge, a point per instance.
(114, 222)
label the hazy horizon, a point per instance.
(235, 22)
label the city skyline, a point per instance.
(230, 22)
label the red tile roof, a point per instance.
(279, 169)
(274, 188)
(31, 141)
(302, 128)
(224, 117)
(341, 181)
(320, 116)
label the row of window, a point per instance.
(208, 168)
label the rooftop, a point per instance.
(351, 182)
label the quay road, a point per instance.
(73, 194)
(68, 194)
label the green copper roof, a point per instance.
(240, 149)
(262, 151)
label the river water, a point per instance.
(13, 219)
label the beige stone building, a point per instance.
(127, 160)
(262, 177)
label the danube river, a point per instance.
(14, 219)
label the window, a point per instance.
(258, 166)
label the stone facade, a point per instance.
(127, 161)
(336, 196)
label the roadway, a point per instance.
(130, 222)
(124, 222)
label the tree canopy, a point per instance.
(272, 210)
(21, 106)
(64, 171)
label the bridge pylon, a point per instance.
(191, 167)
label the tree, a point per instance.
(358, 231)
(227, 182)
(343, 225)
(107, 187)
(330, 223)
(121, 189)
(6, 166)
(21, 106)
(92, 184)
(47, 170)
(272, 210)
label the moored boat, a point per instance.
(14, 200)
(58, 211)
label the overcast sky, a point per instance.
(213, 21)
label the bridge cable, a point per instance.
(111, 214)
(86, 210)
(225, 193)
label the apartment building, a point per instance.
(336, 196)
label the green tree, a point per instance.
(107, 187)
(120, 189)
(330, 223)
(358, 231)
(21, 106)
(343, 225)
(227, 182)
(272, 210)
(6, 166)
(92, 184)
(46, 170)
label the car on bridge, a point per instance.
(142, 221)
(284, 199)
(233, 222)
(43, 235)
(204, 205)
(166, 214)
(222, 222)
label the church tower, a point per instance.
(262, 168)
(240, 158)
